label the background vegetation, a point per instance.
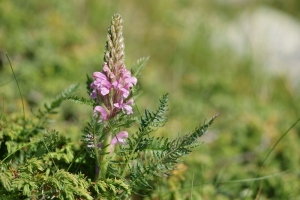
(53, 44)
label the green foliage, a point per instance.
(40, 170)
(145, 159)
(37, 163)
(43, 175)
(21, 140)
(5, 177)
(139, 66)
(81, 100)
(256, 109)
(110, 188)
(33, 160)
(50, 109)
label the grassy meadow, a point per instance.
(53, 44)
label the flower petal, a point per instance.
(120, 138)
(131, 80)
(102, 111)
(128, 109)
(99, 75)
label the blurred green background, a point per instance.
(53, 44)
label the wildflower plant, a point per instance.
(114, 161)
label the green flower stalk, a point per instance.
(111, 92)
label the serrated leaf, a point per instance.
(81, 100)
(139, 66)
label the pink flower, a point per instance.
(118, 85)
(100, 85)
(108, 71)
(119, 138)
(130, 81)
(99, 75)
(102, 111)
(125, 106)
(112, 87)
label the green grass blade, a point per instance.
(269, 153)
(17, 86)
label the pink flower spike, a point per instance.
(102, 111)
(120, 138)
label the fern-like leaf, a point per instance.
(156, 119)
(191, 138)
(50, 109)
(81, 100)
(112, 188)
(5, 176)
(159, 156)
(139, 66)
(64, 95)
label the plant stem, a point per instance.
(105, 157)
(97, 163)
(95, 141)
